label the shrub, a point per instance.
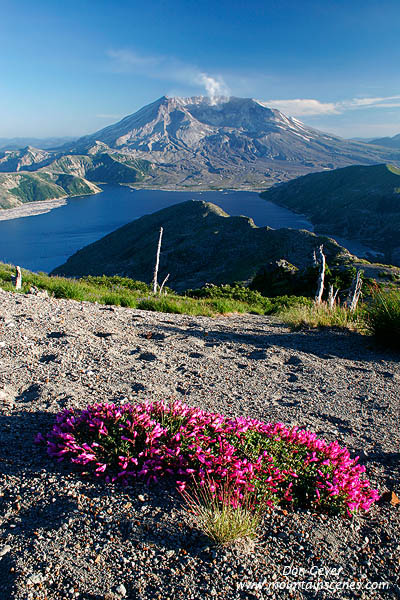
(383, 317)
(283, 279)
(282, 303)
(67, 289)
(269, 461)
(174, 305)
(232, 292)
(255, 301)
(116, 282)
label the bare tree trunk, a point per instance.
(155, 277)
(163, 283)
(17, 279)
(321, 278)
(354, 293)
(332, 297)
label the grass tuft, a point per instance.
(219, 516)
(322, 316)
(383, 317)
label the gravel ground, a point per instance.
(63, 535)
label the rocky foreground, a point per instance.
(64, 535)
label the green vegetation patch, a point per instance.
(378, 315)
(33, 188)
(73, 186)
(123, 291)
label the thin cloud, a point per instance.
(301, 107)
(167, 68)
(373, 102)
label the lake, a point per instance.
(43, 242)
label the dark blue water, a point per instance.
(43, 242)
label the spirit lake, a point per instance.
(43, 242)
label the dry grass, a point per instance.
(322, 316)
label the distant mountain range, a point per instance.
(388, 142)
(201, 243)
(189, 143)
(18, 143)
(360, 203)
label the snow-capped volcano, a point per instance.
(193, 119)
(227, 141)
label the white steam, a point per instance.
(214, 87)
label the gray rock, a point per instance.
(121, 590)
(4, 550)
(35, 578)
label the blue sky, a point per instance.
(70, 68)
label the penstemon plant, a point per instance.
(272, 463)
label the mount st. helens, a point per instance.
(189, 143)
(227, 142)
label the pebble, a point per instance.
(4, 550)
(35, 578)
(121, 590)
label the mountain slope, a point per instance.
(227, 141)
(23, 187)
(101, 167)
(31, 174)
(201, 243)
(361, 203)
(26, 159)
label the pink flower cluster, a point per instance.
(152, 440)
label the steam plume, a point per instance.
(214, 87)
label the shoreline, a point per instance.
(31, 209)
(192, 190)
